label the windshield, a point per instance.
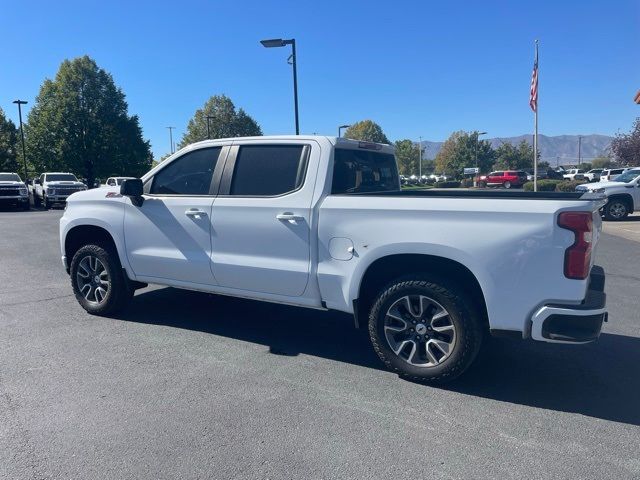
(627, 177)
(9, 177)
(61, 177)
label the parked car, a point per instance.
(623, 194)
(116, 181)
(506, 179)
(321, 222)
(13, 191)
(609, 174)
(55, 187)
(574, 174)
(593, 175)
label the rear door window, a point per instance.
(357, 171)
(268, 170)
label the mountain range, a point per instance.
(561, 149)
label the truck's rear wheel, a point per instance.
(98, 281)
(507, 184)
(616, 209)
(425, 329)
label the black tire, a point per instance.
(45, 203)
(507, 184)
(462, 314)
(36, 201)
(120, 290)
(616, 209)
(482, 184)
(26, 207)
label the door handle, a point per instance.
(194, 212)
(289, 217)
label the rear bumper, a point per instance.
(557, 323)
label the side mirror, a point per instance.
(132, 188)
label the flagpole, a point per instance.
(535, 136)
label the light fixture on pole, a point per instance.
(340, 129)
(475, 154)
(279, 42)
(171, 139)
(24, 152)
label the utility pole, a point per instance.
(24, 152)
(171, 139)
(420, 161)
(579, 149)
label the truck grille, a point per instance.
(66, 190)
(8, 192)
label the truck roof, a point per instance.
(336, 141)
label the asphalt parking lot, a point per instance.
(189, 385)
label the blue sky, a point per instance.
(417, 68)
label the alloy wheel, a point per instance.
(93, 280)
(419, 330)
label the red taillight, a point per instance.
(577, 257)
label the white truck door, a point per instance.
(168, 236)
(262, 215)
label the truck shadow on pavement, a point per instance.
(599, 380)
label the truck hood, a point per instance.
(597, 185)
(12, 184)
(109, 194)
(64, 184)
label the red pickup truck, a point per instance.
(507, 179)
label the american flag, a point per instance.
(533, 94)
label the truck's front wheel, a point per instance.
(425, 329)
(616, 209)
(98, 281)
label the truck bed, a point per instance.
(484, 193)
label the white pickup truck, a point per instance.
(623, 194)
(54, 187)
(321, 222)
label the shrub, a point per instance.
(543, 185)
(569, 186)
(448, 184)
(467, 182)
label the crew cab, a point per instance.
(321, 222)
(623, 194)
(610, 174)
(506, 179)
(54, 187)
(13, 191)
(574, 174)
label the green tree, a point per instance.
(8, 145)
(407, 156)
(80, 122)
(514, 157)
(459, 152)
(626, 146)
(224, 122)
(367, 131)
(601, 162)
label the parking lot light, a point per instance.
(279, 42)
(24, 152)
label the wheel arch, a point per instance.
(625, 197)
(384, 269)
(78, 236)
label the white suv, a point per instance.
(623, 193)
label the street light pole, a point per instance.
(475, 154)
(171, 138)
(24, 152)
(340, 129)
(279, 42)
(209, 117)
